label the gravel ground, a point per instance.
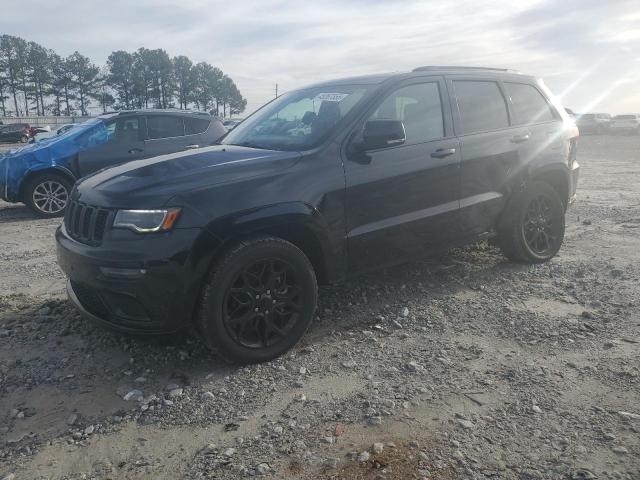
(464, 366)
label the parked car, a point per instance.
(42, 133)
(41, 175)
(230, 124)
(16, 132)
(629, 123)
(322, 183)
(598, 123)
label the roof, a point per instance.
(155, 111)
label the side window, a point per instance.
(123, 130)
(193, 126)
(420, 109)
(165, 126)
(529, 106)
(482, 106)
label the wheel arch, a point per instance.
(557, 176)
(30, 175)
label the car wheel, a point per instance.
(24, 139)
(258, 301)
(533, 227)
(47, 195)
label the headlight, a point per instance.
(145, 221)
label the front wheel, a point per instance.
(48, 195)
(24, 139)
(532, 230)
(259, 300)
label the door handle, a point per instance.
(443, 152)
(135, 150)
(520, 138)
(190, 147)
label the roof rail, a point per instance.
(453, 67)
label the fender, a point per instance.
(64, 171)
(297, 222)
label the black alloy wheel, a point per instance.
(540, 229)
(262, 304)
(259, 300)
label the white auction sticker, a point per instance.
(331, 97)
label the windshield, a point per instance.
(297, 120)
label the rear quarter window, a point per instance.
(529, 106)
(482, 106)
(193, 126)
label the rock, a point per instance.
(263, 469)
(176, 392)
(89, 430)
(455, 443)
(44, 311)
(339, 430)
(229, 452)
(330, 463)
(303, 371)
(620, 450)
(466, 424)
(377, 447)
(373, 421)
(207, 396)
(423, 456)
(405, 312)
(536, 409)
(135, 395)
(349, 364)
(278, 429)
(172, 386)
(363, 457)
(633, 416)
(413, 366)
(10, 476)
(140, 380)
(609, 436)
(72, 419)
(328, 440)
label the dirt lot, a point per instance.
(465, 366)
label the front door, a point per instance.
(402, 201)
(167, 135)
(125, 143)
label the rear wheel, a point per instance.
(48, 195)
(259, 300)
(533, 228)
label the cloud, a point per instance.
(264, 42)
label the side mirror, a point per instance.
(382, 134)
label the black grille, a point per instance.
(90, 300)
(86, 223)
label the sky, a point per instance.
(587, 51)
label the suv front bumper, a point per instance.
(136, 287)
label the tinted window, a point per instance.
(124, 130)
(529, 106)
(482, 106)
(195, 125)
(164, 126)
(419, 108)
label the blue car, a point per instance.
(42, 174)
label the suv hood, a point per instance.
(151, 182)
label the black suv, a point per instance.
(322, 183)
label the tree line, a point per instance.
(35, 80)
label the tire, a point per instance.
(48, 186)
(258, 283)
(24, 139)
(533, 227)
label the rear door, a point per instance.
(403, 200)
(126, 143)
(166, 134)
(489, 148)
(538, 125)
